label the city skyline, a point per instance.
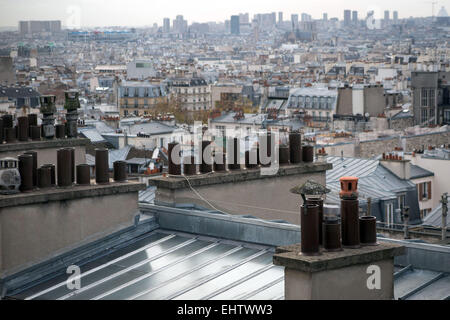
(82, 13)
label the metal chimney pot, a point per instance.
(189, 166)
(295, 147)
(35, 166)
(206, 166)
(26, 172)
(174, 169)
(83, 175)
(44, 177)
(60, 131)
(101, 166)
(350, 212)
(22, 125)
(64, 167)
(120, 171)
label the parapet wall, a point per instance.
(40, 225)
(46, 149)
(243, 192)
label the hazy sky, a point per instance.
(147, 12)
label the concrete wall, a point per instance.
(35, 232)
(345, 101)
(374, 102)
(377, 147)
(46, 149)
(49, 156)
(267, 199)
(349, 283)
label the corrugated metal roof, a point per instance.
(151, 128)
(369, 172)
(434, 218)
(118, 155)
(167, 265)
(92, 134)
(147, 195)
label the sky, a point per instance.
(136, 13)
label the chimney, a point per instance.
(357, 272)
(397, 164)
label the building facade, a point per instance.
(431, 97)
(139, 98)
(193, 94)
(318, 104)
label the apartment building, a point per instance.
(317, 103)
(194, 94)
(138, 98)
(431, 97)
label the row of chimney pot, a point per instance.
(392, 156)
(293, 154)
(26, 129)
(350, 232)
(64, 174)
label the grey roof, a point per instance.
(118, 155)
(151, 128)
(375, 181)
(418, 284)
(92, 134)
(402, 115)
(114, 155)
(168, 265)
(249, 118)
(147, 195)
(419, 172)
(139, 161)
(100, 126)
(434, 218)
(369, 172)
(18, 92)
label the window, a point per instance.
(424, 115)
(425, 191)
(424, 102)
(389, 215)
(424, 213)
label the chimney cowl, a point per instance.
(349, 187)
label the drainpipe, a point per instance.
(444, 202)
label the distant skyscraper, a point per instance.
(306, 17)
(244, 18)
(294, 21)
(347, 18)
(280, 17)
(31, 27)
(355, 17)
(235, 25)
(325, 17)
(166, 25)
(180, 25)
(386, 17)
(395, 17)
